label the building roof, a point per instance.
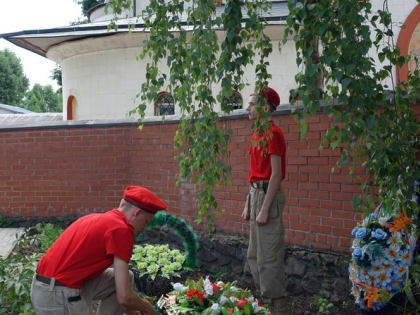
(39, 41)
(14, 109)
(28, 119)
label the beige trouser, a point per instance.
(266, 249)
(53, 300)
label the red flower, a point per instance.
(215, 287)
(195, 292)
(241, 302)
(230, 310)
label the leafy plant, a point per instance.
(48, 233)
(16, 274)
(154, 260)
(5, 222)
(197, 61)
(17, 270)
(323, 305)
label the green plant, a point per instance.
(183, 230)
(184, 35)
(154, 260)
(48, 233)
(323, 305)
(16, 274)
(5, 222)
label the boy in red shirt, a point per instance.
(75, 270)
(265, 203)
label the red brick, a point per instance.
(320, 126)
(319, 178)
(320, 212)
(343, 214)
(351, 188)
(332, 222)
(299, 226)
(308, 152)
(308, 186)
(341, 196)
(329, 187)
(320, 229)
(298, 160)
(308, 203)
(342, 232)
(298, 210)
(309, 219)
(319, 194)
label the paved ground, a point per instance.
(8, 239)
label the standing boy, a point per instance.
(265, 203)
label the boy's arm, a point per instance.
(273, 186)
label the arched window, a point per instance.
(71, 107)
(409, 42)
(233, 102)
(164, 104)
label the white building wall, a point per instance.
(105, 83)
(104, 76)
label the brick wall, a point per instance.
(75, 170)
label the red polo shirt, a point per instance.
(87, 247)
(260, 163)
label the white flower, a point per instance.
(234, 299)
(234, 289)
(208, 287)
(255, 307)
(382, 220)
(220, 283)
(356, 243)
(223, 300)
(178, 287)
(215, 308)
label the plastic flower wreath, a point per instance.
(205, 297)
(382, 253)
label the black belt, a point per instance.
(262, 184)
(48, 280)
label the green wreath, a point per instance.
(183, 230)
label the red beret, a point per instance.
(272, 96)
(143, 198)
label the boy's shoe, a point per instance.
(279, 306)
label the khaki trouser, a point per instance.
(266, 249)
(53, 300)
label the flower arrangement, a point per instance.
(208, 298)
(382, 253)
(157, 259)
(183, 230)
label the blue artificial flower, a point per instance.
(354, 231)
(357, 253)
(372, 216)
(379, 234)
(361, 233)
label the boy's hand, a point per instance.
(245, 214)
(262, 218)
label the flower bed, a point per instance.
(382, 253)
(205, 297)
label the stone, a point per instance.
(311, 285)
(294, 286)
(206, 255)
(295, 267)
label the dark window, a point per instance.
(233, 102)
(164, 104)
